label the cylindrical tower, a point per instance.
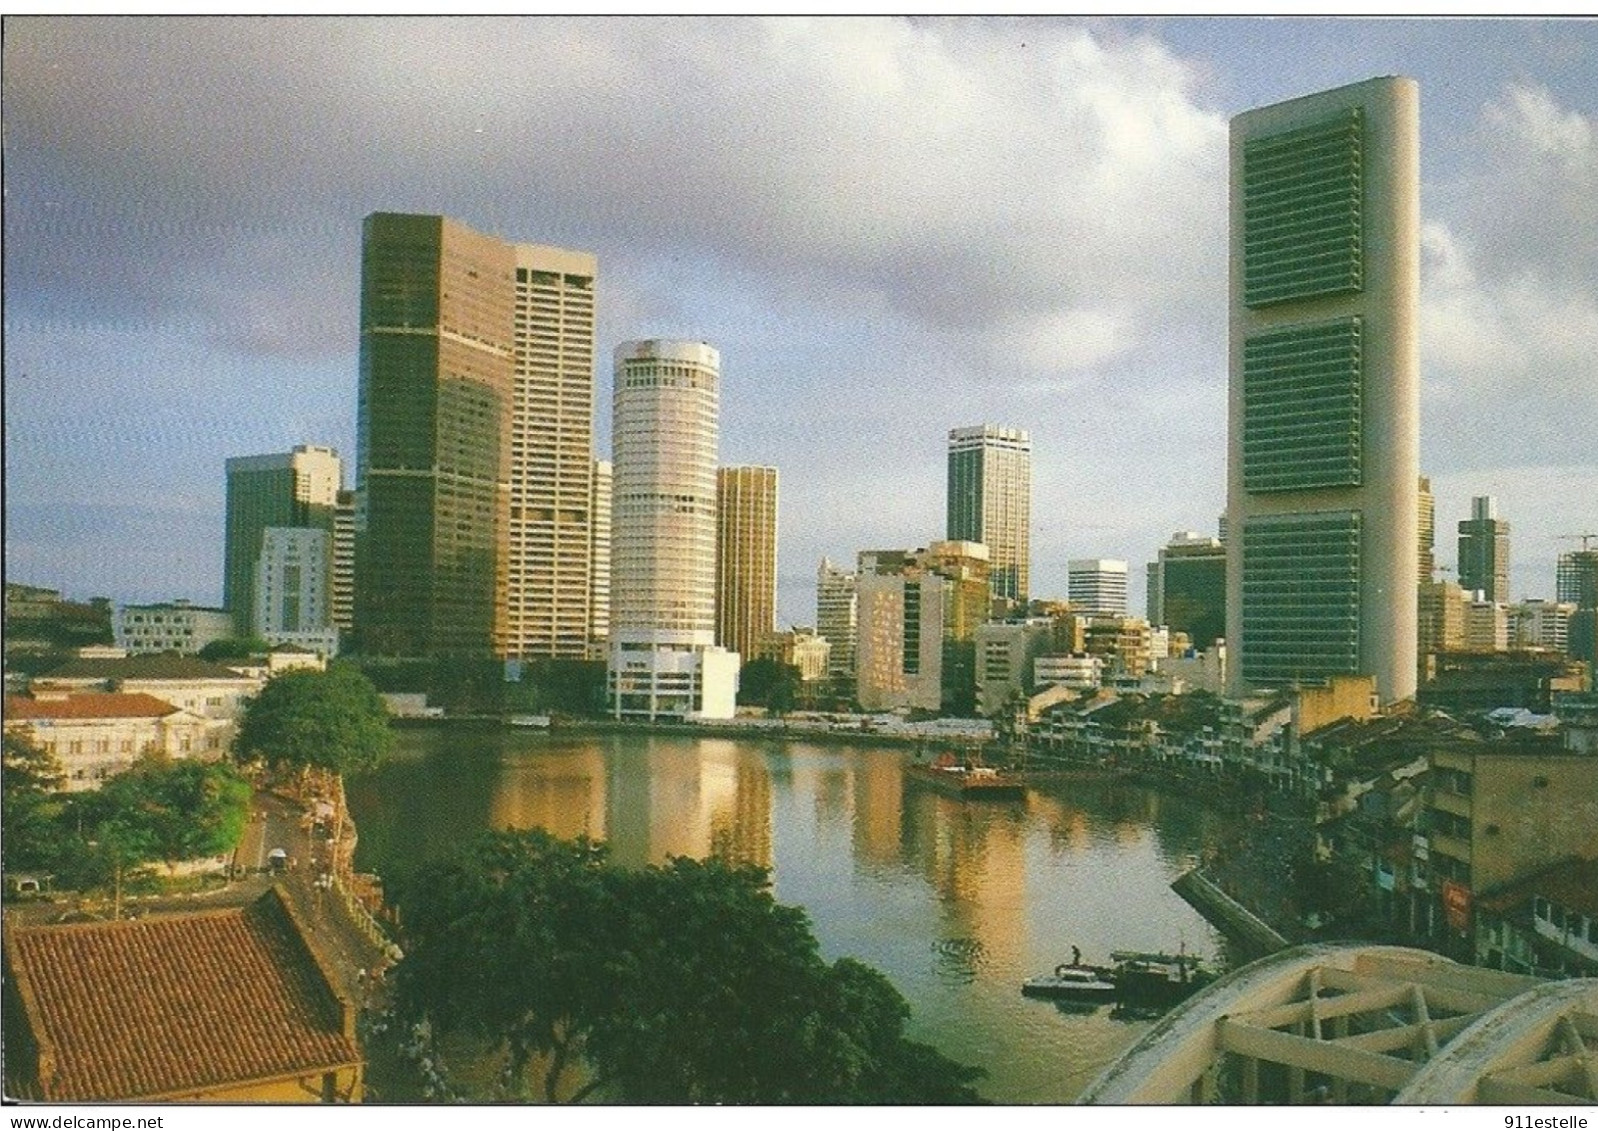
(663, 514)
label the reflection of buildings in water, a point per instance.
(974, 855)
(740, 826)
(1067, 825)
(878, 804)
(560, 791)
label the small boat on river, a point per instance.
(967, 778)
(1072, 983)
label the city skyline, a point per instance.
(192, 237)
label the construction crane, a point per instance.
(1585, 538)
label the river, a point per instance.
(955, 901)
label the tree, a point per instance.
(684, 983)
(234, 648)
(769, 683)
(305, 719)
(30, 806)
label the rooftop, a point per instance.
(89, 705)
(162, 665)
(176, 1005)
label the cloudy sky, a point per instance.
(888, 227)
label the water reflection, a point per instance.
(957, 902)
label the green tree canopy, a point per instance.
(173, 811)
(30, 807)
(686, 983)
(331, 720)
(235, 648)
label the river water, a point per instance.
(955, 901)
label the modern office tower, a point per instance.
(1426, 517)
(1540, 624)
(1486, 625)
(293, 589)
(297, 488)
(836, 607)
(1576, 581)
(1187, 588)
(1323, 402)
(1441, 619)
(663, 660)
(599, 562)
(746, 557)
(550, 539)
(434, 428)
(1097, 585)
(343, 583)
(918, 615)
(990, 501)
(1484, 550)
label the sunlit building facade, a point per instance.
(746, 557)
(990, 501)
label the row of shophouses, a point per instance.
(1477, 839)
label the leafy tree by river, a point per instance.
(305, 719)
(682, 983)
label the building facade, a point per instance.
(599, 563)
(1484, 550)
(341, 588)
(1097, 586)
(550, 541)
(746, 557)
(433, 429)
(1187, 588)
(836, 617)
(1323, 403)
(990, 501)
(293, 589)
(297, 488)
(1426, 517)
(177, 626)
(663, 659)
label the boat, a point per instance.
(967, 778)
(1155, 980)
(1072, 983)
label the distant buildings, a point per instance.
(990, 501)
(1187, 588)
(175, 626)
(1324, 389)
(299, 488)
(1426, 545)
(746, 557)
(1484, 550)
(836, 610)
(918, 614)
(663, 660)
(293, 589)
(1097, 585)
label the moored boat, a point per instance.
(967, 778)
(1072, 983)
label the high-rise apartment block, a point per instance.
(1323, 404)
(1576, 580)
(746, 557)
(1097, 586)
(1484, 550)
(663, 660)
(297, 488)
(990, 501)
(474, 517)
(836, 609)
(1187, 588)
(342, 587)
(433, 433)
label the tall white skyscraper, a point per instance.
(1097, 585)
(663, 659)
(549, 587)
(990, 501)
(1323, 405)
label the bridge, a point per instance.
(1358, 1023)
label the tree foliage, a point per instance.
(234, 648)
(30, 807)
(171, 811)
(685, 983)
(331, 720)
(769, 683)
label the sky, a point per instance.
(888, 227)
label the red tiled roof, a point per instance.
(176, 1005)
(90, 705)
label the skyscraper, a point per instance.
(1323, 405)
(552, 455)
(1097, 585)
(288, 489)
(746, 557)
(1426, 517)
(1484, 550)
(1187, 588)
(599, 563)
(434, 437)
(990, 501)
(836, 607)
(663, 659)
